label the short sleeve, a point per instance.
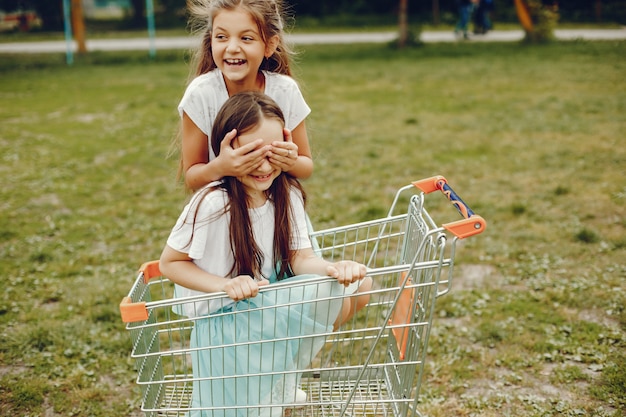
(285, 91)
(202, 99)
(191, 232)
(300, 235)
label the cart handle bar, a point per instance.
(472, 224)
(132, 312)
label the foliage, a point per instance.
(571, 10)
(170, 13)
(530, 136)
(413, 39)
(544, 18)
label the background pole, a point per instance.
(69, 50)
(151, 28)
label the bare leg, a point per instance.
(353, 304)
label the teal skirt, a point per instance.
(247, 357)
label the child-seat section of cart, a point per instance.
(371, 366)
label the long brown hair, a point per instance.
(244, 111)
(268, 15)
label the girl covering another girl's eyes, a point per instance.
(242, 49)
(236, 236)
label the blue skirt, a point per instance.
(248, 356)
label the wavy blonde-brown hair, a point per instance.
(268, 15)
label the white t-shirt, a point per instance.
(206, 94)
(207, 241)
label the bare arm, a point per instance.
(346, 272)
(298, 163)
(179, 268)
(199, 171)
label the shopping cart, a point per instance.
(371, 366)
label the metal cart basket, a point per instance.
(371, 366)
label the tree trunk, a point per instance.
(436, 14)
(139, 11)
(598, 10)
(78, 25)
(403, 25)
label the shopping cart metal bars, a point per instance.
(371, 366)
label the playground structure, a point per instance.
(532, 22)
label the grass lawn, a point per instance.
(532, 137)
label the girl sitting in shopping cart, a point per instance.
(236, 236)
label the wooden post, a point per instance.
(523, 14)
(78, 25)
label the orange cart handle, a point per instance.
(472, 224)
(132, 312)
(150, 270)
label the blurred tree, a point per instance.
(138, 18)
(539, 18)
(403, 24)
(436, 15)
(171, 12)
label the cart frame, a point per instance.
(371, 366)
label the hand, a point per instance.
(284, 154)
(243, 160)
(346, 272)
(242, 287)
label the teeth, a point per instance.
(235, 61)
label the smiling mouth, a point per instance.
(262, 177)
(235, 61)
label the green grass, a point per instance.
(531, 137)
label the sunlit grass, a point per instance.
(530, 137)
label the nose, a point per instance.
(233, 45)
(265, 167)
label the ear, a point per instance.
(270, 46)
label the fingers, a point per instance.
(286, 148)
(284, 154)
(253, 149)
(242, 287)
(227, 142)
(347, 272)
(243, 159)
(287, 135)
